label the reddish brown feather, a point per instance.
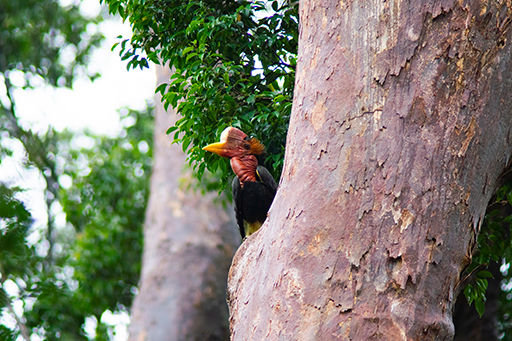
(256, 147)
(245, 168)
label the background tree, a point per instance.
(35, 35)
(190, 240)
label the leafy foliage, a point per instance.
(56, 311)
(66, 274)
(15, 222)
(35, 35)
(21, 264)
(38, 39)
(494, 244)
(106, 207)
(234, 65)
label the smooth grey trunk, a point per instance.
(400, 131)
(189, 241)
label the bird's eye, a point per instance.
(247, 146)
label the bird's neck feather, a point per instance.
(245, 168)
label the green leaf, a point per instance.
(480, 306)
(4, 298)
(187, 50)
(153, 57)
(161, 88)
(190, 55)
(279, 98)
(6, 334)
(484, 274)
(171, 129)
(275, 5)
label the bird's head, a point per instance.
(235, 143)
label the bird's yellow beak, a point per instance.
(217, 148)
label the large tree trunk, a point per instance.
(400, 129)
(188, 245)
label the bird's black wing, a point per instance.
(267, 179)
(237, 200)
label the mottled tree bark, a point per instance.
(188, 245)
(400, 130)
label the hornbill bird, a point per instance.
(254, 187)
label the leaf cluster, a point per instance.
(106, 207)
(99, 264)
(40, 37)
(65, 274)
(15, 223)
(494, 245)
(22, 265)
(234, 65)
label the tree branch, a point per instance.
(37, 154)
(19, 323)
